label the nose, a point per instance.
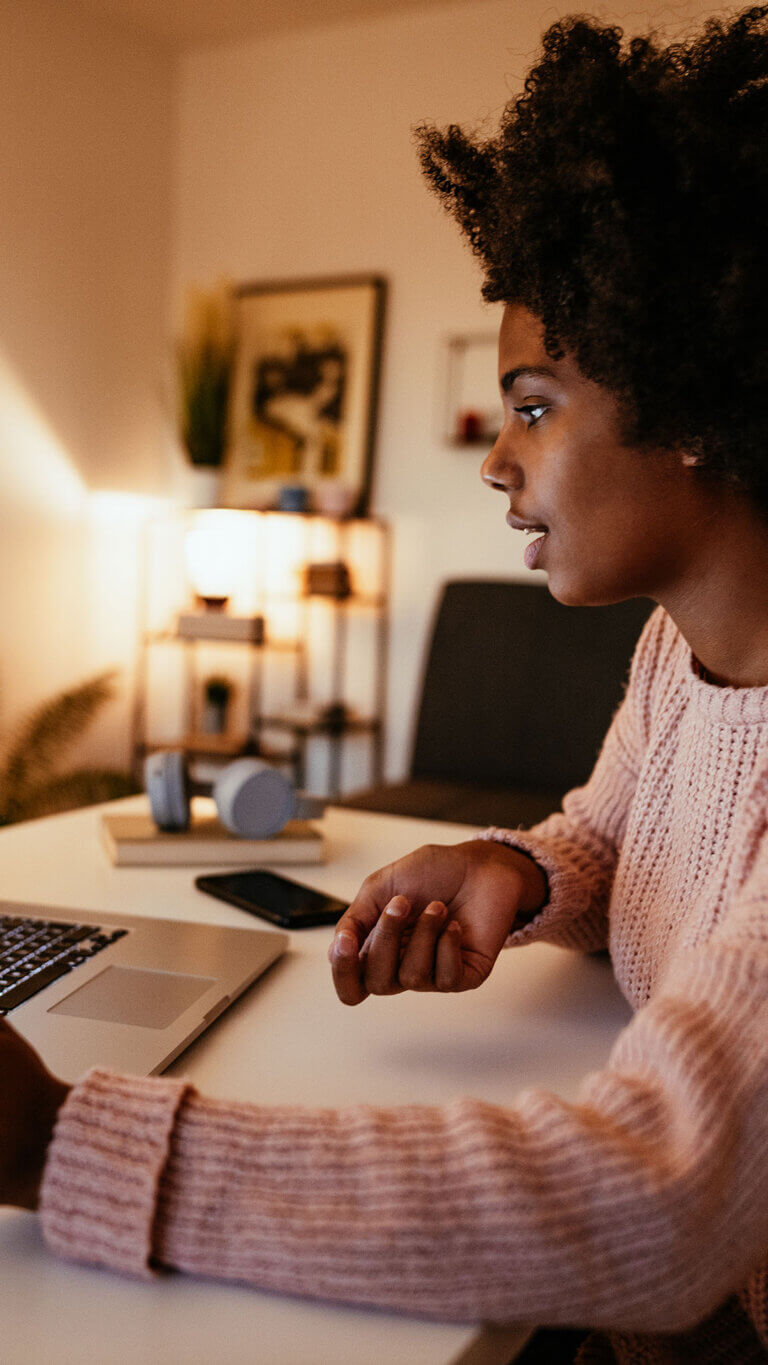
(500, 469)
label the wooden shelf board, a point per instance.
(172, 637)
(359, 724)
(223, 746)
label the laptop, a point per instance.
(120, 991)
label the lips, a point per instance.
(518, 524)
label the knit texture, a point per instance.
(640, 1209)
(112, 1145)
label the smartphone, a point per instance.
(278, 899)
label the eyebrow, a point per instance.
(530, 371)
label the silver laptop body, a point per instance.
(150, 987)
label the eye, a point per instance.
(533, 408)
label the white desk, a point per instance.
(545, 1016)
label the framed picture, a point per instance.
(474, 413)
(304, 395)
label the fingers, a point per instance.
(411, 951)
(350, 934)
(432, 961)
(449, 968)
(365, 910)
(350, 950)
(384, 948)
(416, 970)
(346, 967)
(383, 944)
(404, 951)
(371, 969)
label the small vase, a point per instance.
(214, 718)
(202, 486)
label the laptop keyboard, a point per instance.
(35, 952)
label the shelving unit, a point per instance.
(310, 706)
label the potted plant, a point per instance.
(206, 362)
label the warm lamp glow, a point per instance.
(219, 548)
(125, 509)
(36, 466)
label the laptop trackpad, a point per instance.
(132, 995)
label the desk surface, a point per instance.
(545, 1017)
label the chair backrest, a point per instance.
(518, 689)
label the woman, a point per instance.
(620, 216)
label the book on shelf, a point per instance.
(135, 841)
(219, 625)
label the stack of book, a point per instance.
(135, 841)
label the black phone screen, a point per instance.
(272, 897)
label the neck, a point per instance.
(720, 604)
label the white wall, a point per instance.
(289, 156)
(295, 158)
(86, 117)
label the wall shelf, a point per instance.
(306, 709)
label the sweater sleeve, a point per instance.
(638, 1207)
(578, 847)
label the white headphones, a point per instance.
(253, 799)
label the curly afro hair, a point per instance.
(623, 201)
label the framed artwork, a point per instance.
(474, 413)
(304, 396)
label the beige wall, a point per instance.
(295, 158)
(85, 160)
(289, 156)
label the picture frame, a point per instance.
(473, 410)
(302, 418)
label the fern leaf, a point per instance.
(53, 725)
(85, 787)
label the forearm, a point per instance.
(615, 1211)
(576, 852)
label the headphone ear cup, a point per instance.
(167, 785)
(253, 799)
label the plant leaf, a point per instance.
(53, 725)
(85, 787)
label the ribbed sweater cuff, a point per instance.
(108, 1151)
(567, 892)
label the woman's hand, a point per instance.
(30, 1098)
(435, 920)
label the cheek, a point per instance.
(594, 496)
(604, 559)
(603, 545)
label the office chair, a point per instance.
(517, 694)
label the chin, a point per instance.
(574, 592)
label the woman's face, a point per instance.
(620, 522)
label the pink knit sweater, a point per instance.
(641, 1209)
